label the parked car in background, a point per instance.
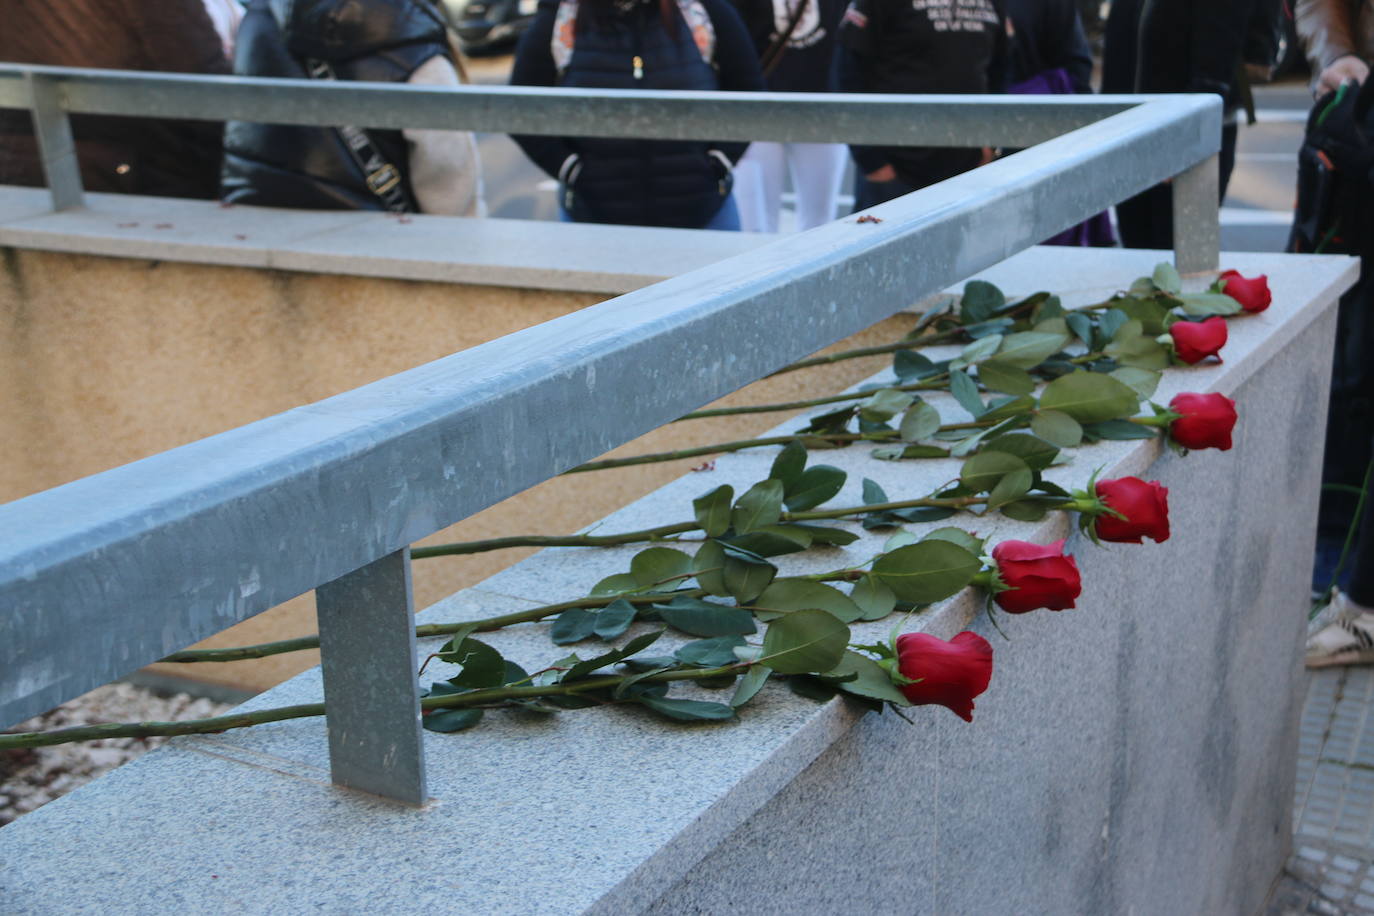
(489, 25)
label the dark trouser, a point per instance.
(1361, 586)
(1147, 220)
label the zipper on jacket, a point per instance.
(638, 63)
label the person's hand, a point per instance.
(1343, 69)
(886, 173)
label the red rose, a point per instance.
(1194, 341)
(1205, 420)
(1036, 576)
(1251, 292)
(948, 673)
(1144, 505)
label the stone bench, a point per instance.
(1135, 754)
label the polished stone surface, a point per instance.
(1137, 752)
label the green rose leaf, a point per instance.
(980, 349)
(573, 625)
(899, 452)
(1081, 325)
(1167, 279)
(789, 464)
(745, 579)
(979, 301)
(750, 685)
(618, 584)
(1029, 510)
(862, 676)
(775, 540)
(910, 366)
(981, 472)
(815, 485)
(482, 665)
(713, 509)
(1109, 324)
(920, 420)
(702, 618)
(660, 566)
(824, 534)
(1139, 351)
(1057, 428)
(1089, 397)
(614, 619)
(1119, 429)
(761, 505)
(709, 566)
(710, 653)
(1011, 487)
(1142, 381)
(804, 642)
(964, 539)
(1034, 451)
(687, 710)
(1151, 314)
(791, 595)
(999, 376)
(583, 667)
(451, 720)
(874, 494)
(1204, 304)
(927, 572)
(884, 404)
(1028, 349)
(875, 600)
(965, 391)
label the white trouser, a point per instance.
(816, 172)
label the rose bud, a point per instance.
(1194, 341)
(1251, 292)
(1035, 576)
(950, 673)
(1144, 505)
(1204, 420)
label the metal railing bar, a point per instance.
(106, 574)
(944, 120)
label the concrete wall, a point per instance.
(107, 360)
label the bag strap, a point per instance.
(773, 54)
(381, 177)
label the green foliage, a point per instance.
(1057, 428)
(688, 710)
(702, 618)
(750, 685)
(814, 486)
(1028, 349)
(712, 510)
(1089, 397)
(920, 421)
(997, 375)
(573, 625)
(861, 676)
(980, 300)
(965, 391)
(1203, 305)
(716, 652)
(790, 595)
(660, 568)
(927, 572)
(451, 720)
(482, 665)
(805, 641)
(758, 507)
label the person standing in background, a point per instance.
(796, 43)
(946, 46)
(117, 154)
(1174, 46)
(1338, 36)
(639, 44)
(348, 168)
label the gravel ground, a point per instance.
(32, 777)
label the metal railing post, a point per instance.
(1197, 218)
(367, 658)
(55, 144)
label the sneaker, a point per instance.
(1348, 641)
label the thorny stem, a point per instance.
(474, 698)
(931, 383)
(651, 534)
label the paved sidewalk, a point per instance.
(1331, 872)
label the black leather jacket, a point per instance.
(279, 165)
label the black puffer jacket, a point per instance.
(278, 165)
(638, 182)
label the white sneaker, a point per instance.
(1348, 641)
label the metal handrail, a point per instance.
(106, 574)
